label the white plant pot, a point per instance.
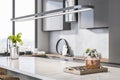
(14, 53)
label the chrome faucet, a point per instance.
(8, 47)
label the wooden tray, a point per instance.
(81, 70)
(39, 55)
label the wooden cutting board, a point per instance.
(39, 55)
(81, 70)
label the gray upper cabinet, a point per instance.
(101, 13)
(96, 18)
(54, 23)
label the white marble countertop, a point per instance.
(49, 69)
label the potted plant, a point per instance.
(92, 59)
(15, 40)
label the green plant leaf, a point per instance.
(87, 50)
(16, 39)
(19, 35)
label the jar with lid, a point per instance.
(92, 59)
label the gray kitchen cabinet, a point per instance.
(54, 23)
(96, 18)
(101, 13)
(114, 31)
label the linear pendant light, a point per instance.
(53, 13)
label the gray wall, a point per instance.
(43, 37)
(80, 39)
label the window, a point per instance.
(5, 23)
(27, 28)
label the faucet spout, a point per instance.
(8, 47)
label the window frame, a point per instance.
(36, 21)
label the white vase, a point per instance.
(14, 53)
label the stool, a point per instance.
(6, 77)
(3, 71)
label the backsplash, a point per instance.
(80, 39)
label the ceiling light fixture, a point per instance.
(53, 13)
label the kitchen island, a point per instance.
(50, 69)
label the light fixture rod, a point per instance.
(52, 13)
